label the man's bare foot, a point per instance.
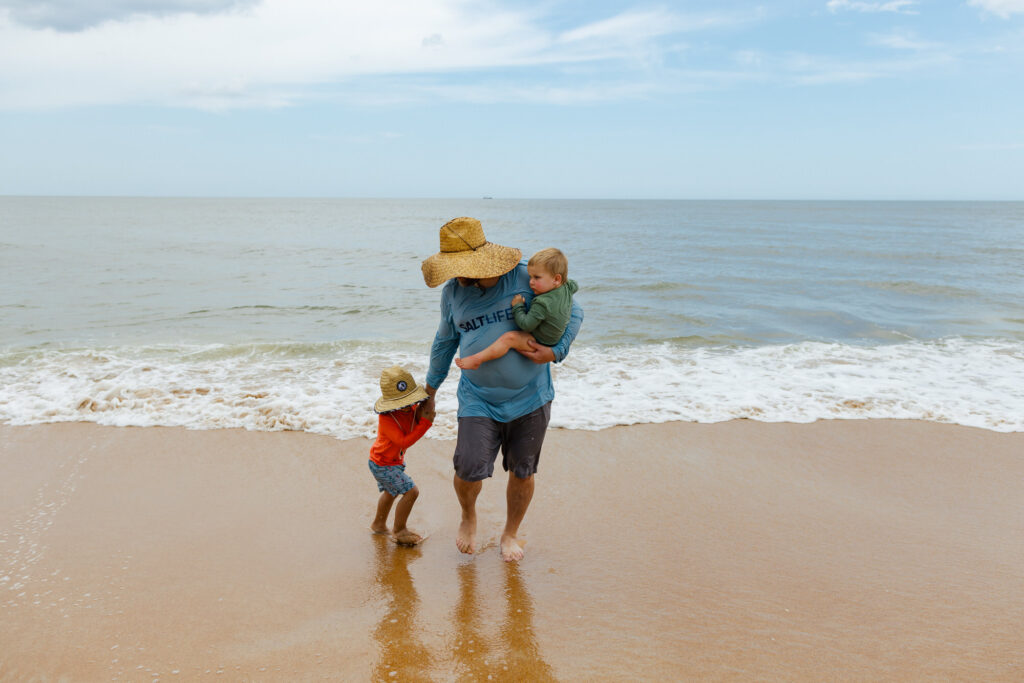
(511, 551)
(379, 528)
(468, 363)
(465, 541)
(406, 537)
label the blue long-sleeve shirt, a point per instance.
(505, 388)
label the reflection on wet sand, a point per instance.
(470, 647)
(402, 656)
(514, 654)
(522, 653)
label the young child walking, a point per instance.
(547, 315)
(401, 424)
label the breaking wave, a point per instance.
(329, 388)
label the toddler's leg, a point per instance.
(516, 339)
(380, 522)
(401, 534)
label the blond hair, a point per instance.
(551, 260)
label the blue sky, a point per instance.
(822, 99)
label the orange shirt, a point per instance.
(395, 433)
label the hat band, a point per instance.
(459, 251)
(399, 397)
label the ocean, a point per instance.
(272, 314)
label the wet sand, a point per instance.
(860, 550)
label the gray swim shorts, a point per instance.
(520, 442)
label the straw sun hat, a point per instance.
(465, 252)
(398, 389)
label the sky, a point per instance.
(817, 99)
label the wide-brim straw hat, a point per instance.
(465, 252)
(398, 389)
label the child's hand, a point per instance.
(427, 411)
(518, 299)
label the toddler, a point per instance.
(547, 316)
(400, 425)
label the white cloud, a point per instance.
(1002, 8)
(900, 6)
(76, 15)
(640, 25)
(749, 58)
(817, 70)
(278, 52)
(493, 93)
(900, 41)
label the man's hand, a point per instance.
(539, 354)
(518, 299)
(426, 409)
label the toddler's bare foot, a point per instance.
(468, 363)
(465, 541)
(381, 528)
(511, 551)
(406, 537)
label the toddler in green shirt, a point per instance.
(547, 316)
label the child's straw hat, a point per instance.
(398, 389)
(465, 252)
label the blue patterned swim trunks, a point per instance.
(391, 478)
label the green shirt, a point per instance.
(548, 315)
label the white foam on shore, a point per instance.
(330, 388)
(972, 383)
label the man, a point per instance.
(506, 402)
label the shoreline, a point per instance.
(859, 549)
(328, 387)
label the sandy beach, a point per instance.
(846, 550)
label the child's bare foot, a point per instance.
(511, 551)
(468, 363)
(381, 528)
(406, 537)
(465, 541)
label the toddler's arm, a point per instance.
(528, 320)
(395, 435)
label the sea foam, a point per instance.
(330, 388)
